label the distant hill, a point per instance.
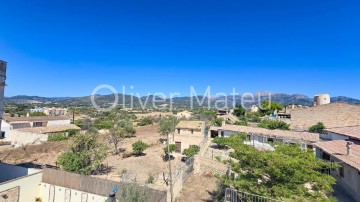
(106, 100)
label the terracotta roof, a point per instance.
(351, 131)
(190, 125)
(35, 118)
(338, 149)
(304, 136)
(50, 129)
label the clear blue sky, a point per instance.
(67, 48)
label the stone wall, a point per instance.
(10, 195)
(332, 115)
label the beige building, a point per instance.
(332, 115)
(184, 115)
(188, 133)
(347, 155)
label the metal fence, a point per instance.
(233, 195)
(187, 169)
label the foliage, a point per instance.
(268, 107)
(241, 123)
(150, 179)
(217, 122)
(172, 148)
(191, 151)
(167, 125)
(219, 194)
(139, 147)
(254, 117)
(273, 124)
(279, 174)
(84, 124)
(72, 132)
(145, 121)
(57, 137)
(119, 133)
(239, 111)
(84, 156)
(37, 114)
(318, 128)
(132, 193)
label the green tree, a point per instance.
(37, 114)
(241, 123)
(191, 151)
(268, 107)
(287, 173)
(318, 128)
(57, 137)
(139, 147)
(145, 121)
(85, 155)
(239, 111)
(217, 122)
(274, 124)
(118, 134)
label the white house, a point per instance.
(342, 133)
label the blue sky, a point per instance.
(67, 48)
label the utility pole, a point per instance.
(169, 159)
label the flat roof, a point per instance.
(350, 131)
(50, 129)
(338, 149)
(190, 125)
(304, 136)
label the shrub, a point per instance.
(57, 137)
(139, 147)
(318, 128)
(72, 132)
(273, 124)
(191, 151)
(172, 148)
(127, 155)
(150, 179)
(145, 121)
(241, 123)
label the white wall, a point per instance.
(20, 138)
(59, 122)
(59, 194)
(5, 127)
(29, 186)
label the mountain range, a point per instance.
(177, 102)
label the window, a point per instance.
(37, 124)
(341, 172)
(192, 131)
(178, 131)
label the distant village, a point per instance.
(171, 156)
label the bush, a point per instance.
(127, 155)
(274, 124)
(150, 179)
(191, 151)
(172, 148)
(139, 147)
(145, 121)
(57, 137)
(72, 132)
(318, 128)
(37, 114)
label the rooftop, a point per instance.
(338, 149)
(351, 131)
(50, 129)
(304, 136)
(35, 118)
(190, 125)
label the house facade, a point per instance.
(188, 133)
(347, 155)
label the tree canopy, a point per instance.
(287, 173)
(318, 128)
(268, 107)
(84, 156)
(239, 111)
(274, 124)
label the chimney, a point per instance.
(27, 114)
(348, 146)
(223, 123)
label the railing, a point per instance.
(233, 195)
